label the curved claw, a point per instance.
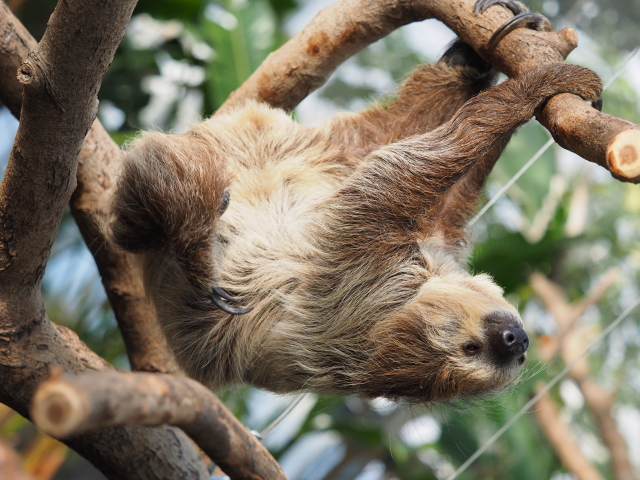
(597, 104)
(218, 297)
(221, 293)
(482, 5)
(529, 20)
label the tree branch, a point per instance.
(118, 452)
(304, 63)
(562, 440)
(61, 78)
(66, 405)
(98, 164)
(570, 343)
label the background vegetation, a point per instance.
(565, 218)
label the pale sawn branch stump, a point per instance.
(66, 405)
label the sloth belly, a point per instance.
(267, 242)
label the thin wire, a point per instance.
(598, 339)
(615, 76)
(276, 421)
(546, 388)
(511, 181)
(546, 146)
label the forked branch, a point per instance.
(98, 164)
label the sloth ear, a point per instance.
(169, 196)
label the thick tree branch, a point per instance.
(66, 405)
(340, 30)
(118, 452)
(571, 341)
(98, 163)
(61, 78)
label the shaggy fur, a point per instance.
(347, 240)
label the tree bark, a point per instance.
(60, 80)
(305, 62)
(98, 164)
(66, 405)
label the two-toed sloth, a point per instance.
(347, 241)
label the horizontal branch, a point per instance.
(304, 63)
(119, 453)
(65, 405)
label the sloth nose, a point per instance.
(506, 335)
(515, 339)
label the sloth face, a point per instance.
(458, 338)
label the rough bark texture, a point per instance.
(98, 164)
(340, 30)
(68, 405)
(61, 78)
(571, 341)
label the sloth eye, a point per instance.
(225, 203)
(472, 348)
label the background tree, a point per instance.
(566, 219)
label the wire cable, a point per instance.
(546, 388)
(276, 421)
(545, 147)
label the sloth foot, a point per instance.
(459, 54)
(522, 19)
(221, 298)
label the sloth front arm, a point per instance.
(398, 192)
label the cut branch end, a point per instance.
(623, 155)
(58, 408)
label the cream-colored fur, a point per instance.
(350, 253)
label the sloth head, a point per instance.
(457, 338)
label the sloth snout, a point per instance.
(506, 336)
(515, 340)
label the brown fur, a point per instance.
(348, 239)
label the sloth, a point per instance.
(332, 259)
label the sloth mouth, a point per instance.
(223, 301)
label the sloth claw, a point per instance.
(529, 20)
(597, 104)
(220, 298)
(482, 5)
